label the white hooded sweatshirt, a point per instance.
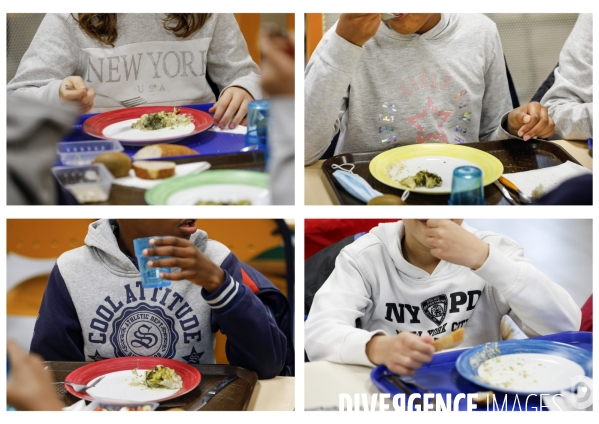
(373, 282)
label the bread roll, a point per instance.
(153, 170)
(117, 163)
(163, 150)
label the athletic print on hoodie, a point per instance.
(94, 307)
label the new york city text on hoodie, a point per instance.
(147, 61)
(94, 308)
(373, 282)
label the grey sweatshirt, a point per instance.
(32, 129)
(147, 61)
(448, 85)
(570, 99)
(116, 315)
(281, 145)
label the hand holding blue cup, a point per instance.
(150, 277)
(467, 187)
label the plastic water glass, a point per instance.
(150, 277)
(257, 121)
(467, 186)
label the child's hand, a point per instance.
(195, 265)
(358, 28)
(450, 242)
(403, 354)
(530, 120)
(231, 108)
(73, 89)
(29, 386)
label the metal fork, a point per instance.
(135, 101)
(80, 387)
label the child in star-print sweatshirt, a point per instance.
(94, 307)
(404, 84)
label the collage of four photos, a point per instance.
(367, 291)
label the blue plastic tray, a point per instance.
(440, 375)
(208, 143)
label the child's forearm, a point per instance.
(376, 347)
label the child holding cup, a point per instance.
(95, 305)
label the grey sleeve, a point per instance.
(32, 130)
(496, 100)
(51, 57)
(281, 145)
(570, 99)
(327, 79)
(229, 62)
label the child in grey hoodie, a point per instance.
(414, 78)
(95, 307)
(149, 58)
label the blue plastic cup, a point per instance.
(467, 186)
(258, 119)
(150, 277)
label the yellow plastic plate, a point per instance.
(392, 166)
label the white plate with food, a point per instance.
(222, 194)
(144, 125)
(394, 166)
(216, 187)
(135, 379)
(525, 366)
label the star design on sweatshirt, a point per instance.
(428, 108)
(193, 357)
(96, 357)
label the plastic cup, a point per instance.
(467, 186)
(150, 277)
(257, 123)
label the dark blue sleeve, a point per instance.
(254, 340)
(57, 335)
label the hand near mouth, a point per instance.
(358, 28)
(195, 265)
(452, 243)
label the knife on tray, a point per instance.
(206, 398)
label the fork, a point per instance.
(80, 387)
(135, 101)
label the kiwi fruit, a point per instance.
(386, 199)
(117, 163)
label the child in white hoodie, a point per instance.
(417, 280)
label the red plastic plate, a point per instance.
(96, 125)
(191, 376)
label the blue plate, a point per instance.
(469, 361)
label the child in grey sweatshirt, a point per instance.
(414, 78)
(570, 99)
(64, 63)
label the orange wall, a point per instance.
(49, 238)
(45, 238)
